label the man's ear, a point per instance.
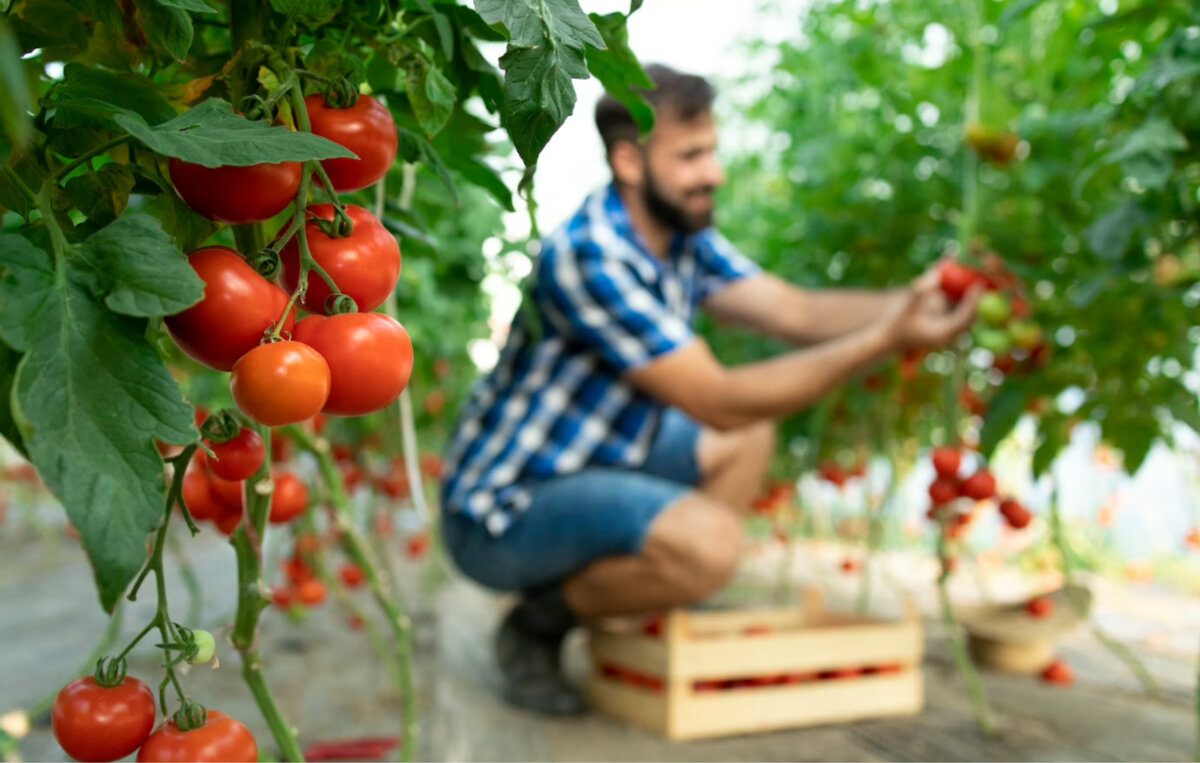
(628, 163)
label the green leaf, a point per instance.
(618, 69)
(445, 29)
(141, 269)
(92, 397)
(213, 136)
(188, 229)
(1155, 135)
(538, 98)
(329, 59)
(90, 97)
(9, 358)
(317, 11)
(634, 5)
(1054, 439)
(1016, 10)
(15, 102)
(1109, 236)
(167, 26)
(198, 6)
(546, 49)
(1134, 438)
(1003, 413)
(478, 173)
(416, 148)
(432, 95)
(102, 195)
(530, 22)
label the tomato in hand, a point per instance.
(280, 383)
(956, 279)
(365, 265)
(370, 359)
(95, 723)
(238, 308)
(290, 498)
(236, 195)
(221, 738)
(239, 458)
(366, 128)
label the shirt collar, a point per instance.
(618, 217)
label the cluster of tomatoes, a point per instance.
(948, 488)
(1016, 342)
(836, 474)
(108, 719)
(332, 361)
(214, 487)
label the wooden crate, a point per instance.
(708, 674)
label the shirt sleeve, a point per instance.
(720, 264)
(598, 299)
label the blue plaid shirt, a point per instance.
(558, 402)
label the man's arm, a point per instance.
(772, 306)
(693, 380)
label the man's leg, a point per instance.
(691, 551)
(733, 464)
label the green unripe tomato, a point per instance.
(994, 341)
(1025, 334)
(994, 308)
(206, 647)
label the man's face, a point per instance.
(682, 172)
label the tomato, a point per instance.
(1017, 516)
(307, 543)
(1025, 334)
(946, 462)
(198, 494)
(365, 265)
(943, 491)
(1059, 672)
(227, 523)
(236, 195)
(206, 647)
(956, 279)
(417, 546)
(1040, 607)
(994, 309)
(95, 723)
(994, 341)
(297, 571)
(352, 476)
(221, 738)
(238, 308)
(831, 472)
(979, 486)
(311, 593)
(850, 566)
(282, 597)
(432, 466)
(229, 495)
(757, 630)
(239, 458)
(280, 383)
(352, 575)
(370, 359)
(281, 447)
(366, 128)
(435, 402)
(290, 498)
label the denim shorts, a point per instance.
(581, 517)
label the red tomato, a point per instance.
(393, 486)
(282, 597)
(239, 458)
(1017, 516)
(236, 195)
(366, 128)
(418, 545)
(943, 491)
(280, 383)
(370, 359)
(957, 279)
(831, 472)
(979, 486)
(290, 498)
(94, 723)
(757, 630)
(432, 466)
(311, 593)
(238, 308)
(199, 497)
(352, 476)
(229, 495)
(221, 738)
(946, 461)
(653, 627)
(297, 571)
(1059, 672)
(435, 402)
(352, 575)
(227, 523)
(281, 447)
(850, 566)
(1040, 607)
(365, 265)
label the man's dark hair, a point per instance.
(681, 96)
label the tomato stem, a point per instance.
(75, 164)
(958, 647)
(149, 626)
(16, 180)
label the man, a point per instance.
(603, 467)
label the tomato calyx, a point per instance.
(190, 716)
(340, 304)
(221, 427)
(110, 672)
(341, 94)
(341, 226)
(265, 262)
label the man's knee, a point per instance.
(698, 548)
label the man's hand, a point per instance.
(923, 317)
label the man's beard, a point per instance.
(672, 216)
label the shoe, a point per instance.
(528, 658)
